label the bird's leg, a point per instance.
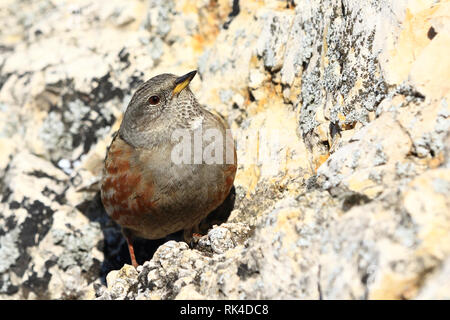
(131, 250)
(192, 235)
(129, 237)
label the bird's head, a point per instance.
(158, 102)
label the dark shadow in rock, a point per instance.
(114, 245)
(220, 214)
(354, 199)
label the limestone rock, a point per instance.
(46, 244)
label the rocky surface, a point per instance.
(340, 110)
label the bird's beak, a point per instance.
(183, 81)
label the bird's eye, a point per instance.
(154, 100)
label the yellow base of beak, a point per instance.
(183, 81)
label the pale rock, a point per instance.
(189, 293)
(436, 284)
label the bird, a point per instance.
(145, 187)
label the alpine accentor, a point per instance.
(143, 189)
